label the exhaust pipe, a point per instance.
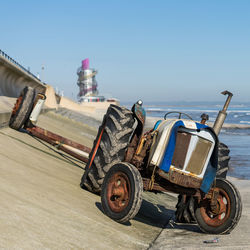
(222, 113)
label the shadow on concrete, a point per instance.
(159, 216)
(155, 215)
(152, 214)
(184, 228)
(99, 206)
(64, 157)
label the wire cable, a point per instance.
(67, 157)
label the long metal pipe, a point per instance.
(74, 149)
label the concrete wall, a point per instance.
(51, 101)
(69, 104)
(13, 79)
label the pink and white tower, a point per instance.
(87, 84)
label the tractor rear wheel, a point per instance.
(222, 217)
(121, 193)
(223, 160)
(185, 206)
(22, 109)
(109, 147)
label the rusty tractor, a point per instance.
(177, 155)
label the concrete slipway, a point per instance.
(43, 206)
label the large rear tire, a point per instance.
(109, 147)
(223, 160)
(22, 109)
(224, 216)
(186, 204)
(121, 194)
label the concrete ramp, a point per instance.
(43, 206)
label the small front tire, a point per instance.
(222, 218)
(121, 193)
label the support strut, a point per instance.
(74, 149)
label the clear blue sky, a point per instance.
(153, 50)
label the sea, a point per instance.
(237, 139)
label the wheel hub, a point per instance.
(217, 214)
(118, 192)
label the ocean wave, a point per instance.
(239, 111)
(245, 122)
(241, 132)
(238, 105)
(247, 112)
(156, 110)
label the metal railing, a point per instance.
(18, 65)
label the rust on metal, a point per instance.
(219, 212)
(35, 130)
(95, 149)
(213, 202)
(17, 105)
(60, 142)
(131, 148)
(181, 178)
(156, 186)
(118, 192)
(140, 145)
(38, 97)
(136, 156)
(162, 185)
(139, 159)
(204, 118)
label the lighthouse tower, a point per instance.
(87, 84)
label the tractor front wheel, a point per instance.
(121, 194)
(222, 216)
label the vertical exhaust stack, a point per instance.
(222, 113)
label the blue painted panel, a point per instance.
(157, 124)
(208, 178)
(212, 166)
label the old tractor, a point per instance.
(177, 155)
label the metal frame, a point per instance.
(74, 149)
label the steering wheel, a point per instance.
(180, 113)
